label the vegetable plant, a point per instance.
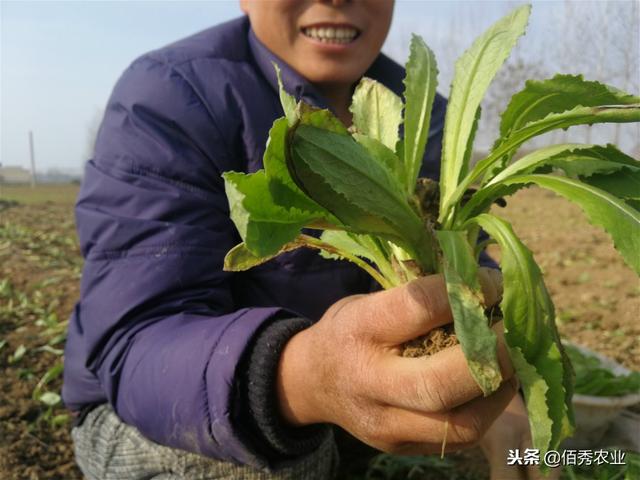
(592, 377)
(359, 187)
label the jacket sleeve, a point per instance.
(157, 314)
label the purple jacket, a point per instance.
(160, 329)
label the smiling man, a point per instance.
(177, 369)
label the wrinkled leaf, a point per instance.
(420, 89)
(472, 328)
(263, 225)
(377, 112)
(384, 156)
(339, 174)
(282, 187)
(473, 73)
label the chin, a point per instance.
(334, 75)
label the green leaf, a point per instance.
(50, 375)
(282, 187)
(473, 73)
(532, 161)
(472, 328)
(420, 89)
(618, 219)
(321, 118)
(240, 258)
(339, 174)
(594, 378)
(264, 226)
(559, 94)
(50, 399)
(18, 354)
(287, 101)
(385, 157)
(572, 158)
(346, 242)
(377, 112)
(534, 344)
(577, 116)
(623, 183)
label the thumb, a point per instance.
(403, 313)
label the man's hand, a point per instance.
(347, 370)
(510, 431)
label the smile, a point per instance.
(339, 35)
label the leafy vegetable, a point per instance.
(593, 378)
(359, 185)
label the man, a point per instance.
(180, 370)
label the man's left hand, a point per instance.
(510, 431)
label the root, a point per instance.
(444, 440)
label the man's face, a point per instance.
(327, 41)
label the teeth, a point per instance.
(331, 34)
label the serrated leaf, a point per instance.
(472, 328)
(321, 118)
(287, 101)
(473, 73)
(539, 98)
(339, 174)
(264, 226)
(623, 183)
(531, 334)
(420, 85)
(618, 219)
(377, 112)
(577, 116)
(576, 160)
(380, 152)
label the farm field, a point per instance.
(597, 301)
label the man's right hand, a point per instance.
(347, 369)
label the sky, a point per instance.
(59, 60)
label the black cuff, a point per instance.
(259, 397)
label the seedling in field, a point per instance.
(360, 186)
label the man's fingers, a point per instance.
(403, 313)
(409, 432)
(436, 383)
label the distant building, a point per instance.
(14, 175)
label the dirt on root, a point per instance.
(431, 343)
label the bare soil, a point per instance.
(597, 300)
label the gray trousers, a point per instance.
(108, 449)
